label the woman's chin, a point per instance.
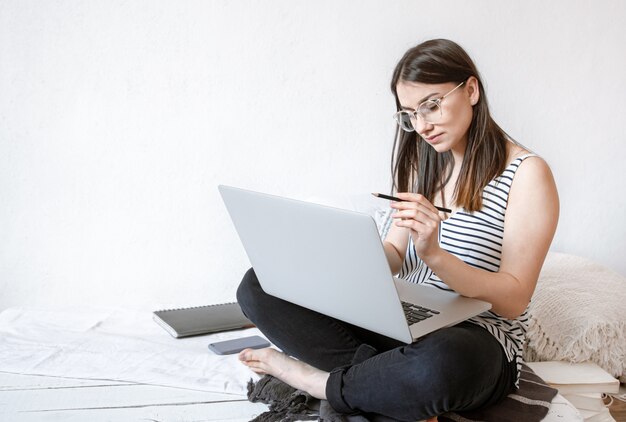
(440, 147)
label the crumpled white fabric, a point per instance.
(116, 344)
(127, 345)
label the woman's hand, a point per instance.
(422, 219)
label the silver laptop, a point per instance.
(332, 261)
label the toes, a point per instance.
(261, 361)
(244, 355)
(248, 354)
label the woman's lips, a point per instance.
(433, 138)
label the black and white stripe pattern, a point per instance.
(476, 238)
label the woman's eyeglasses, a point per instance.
(429, 111)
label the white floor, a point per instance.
(45, 398)
(28, 398)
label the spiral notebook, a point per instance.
(184, 322)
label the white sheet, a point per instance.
(115, 344)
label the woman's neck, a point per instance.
(458, 152)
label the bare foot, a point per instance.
(287, 369)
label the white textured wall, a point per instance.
(119, 118)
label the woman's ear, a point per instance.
(472, 90)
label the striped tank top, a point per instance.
(476, 238)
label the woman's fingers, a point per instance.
(415, 211)
(425, 216)
(414, 200)
(417, 226)
(418, 214)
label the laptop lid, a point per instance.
(323, 258)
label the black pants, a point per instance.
(453, 369)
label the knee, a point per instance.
(469, 356)
(248, 292)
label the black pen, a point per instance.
(393, 198)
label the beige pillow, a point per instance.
(578, 314)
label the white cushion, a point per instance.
(578, 314)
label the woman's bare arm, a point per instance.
(530, 223)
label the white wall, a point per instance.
(119, 118)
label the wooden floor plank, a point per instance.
(618, 407)
(105, 397)
(26, 398)
(11, 381)
(208, 412)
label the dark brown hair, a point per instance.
(415, 165)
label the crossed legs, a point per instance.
(457, 368)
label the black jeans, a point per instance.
(453, 369)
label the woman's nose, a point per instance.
(423, 127)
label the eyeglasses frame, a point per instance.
(416, 113)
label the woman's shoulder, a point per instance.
(514, 151)
(532, 172)
(531, 159)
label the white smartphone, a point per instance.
(228, 347)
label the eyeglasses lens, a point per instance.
(403, 118)
(428, 111)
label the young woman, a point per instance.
(449, 152)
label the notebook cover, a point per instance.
(185, 322)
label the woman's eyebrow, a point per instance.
(420, 101)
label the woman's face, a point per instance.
(449, 132)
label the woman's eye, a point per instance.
(429, 107)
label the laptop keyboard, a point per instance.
(415, 313)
